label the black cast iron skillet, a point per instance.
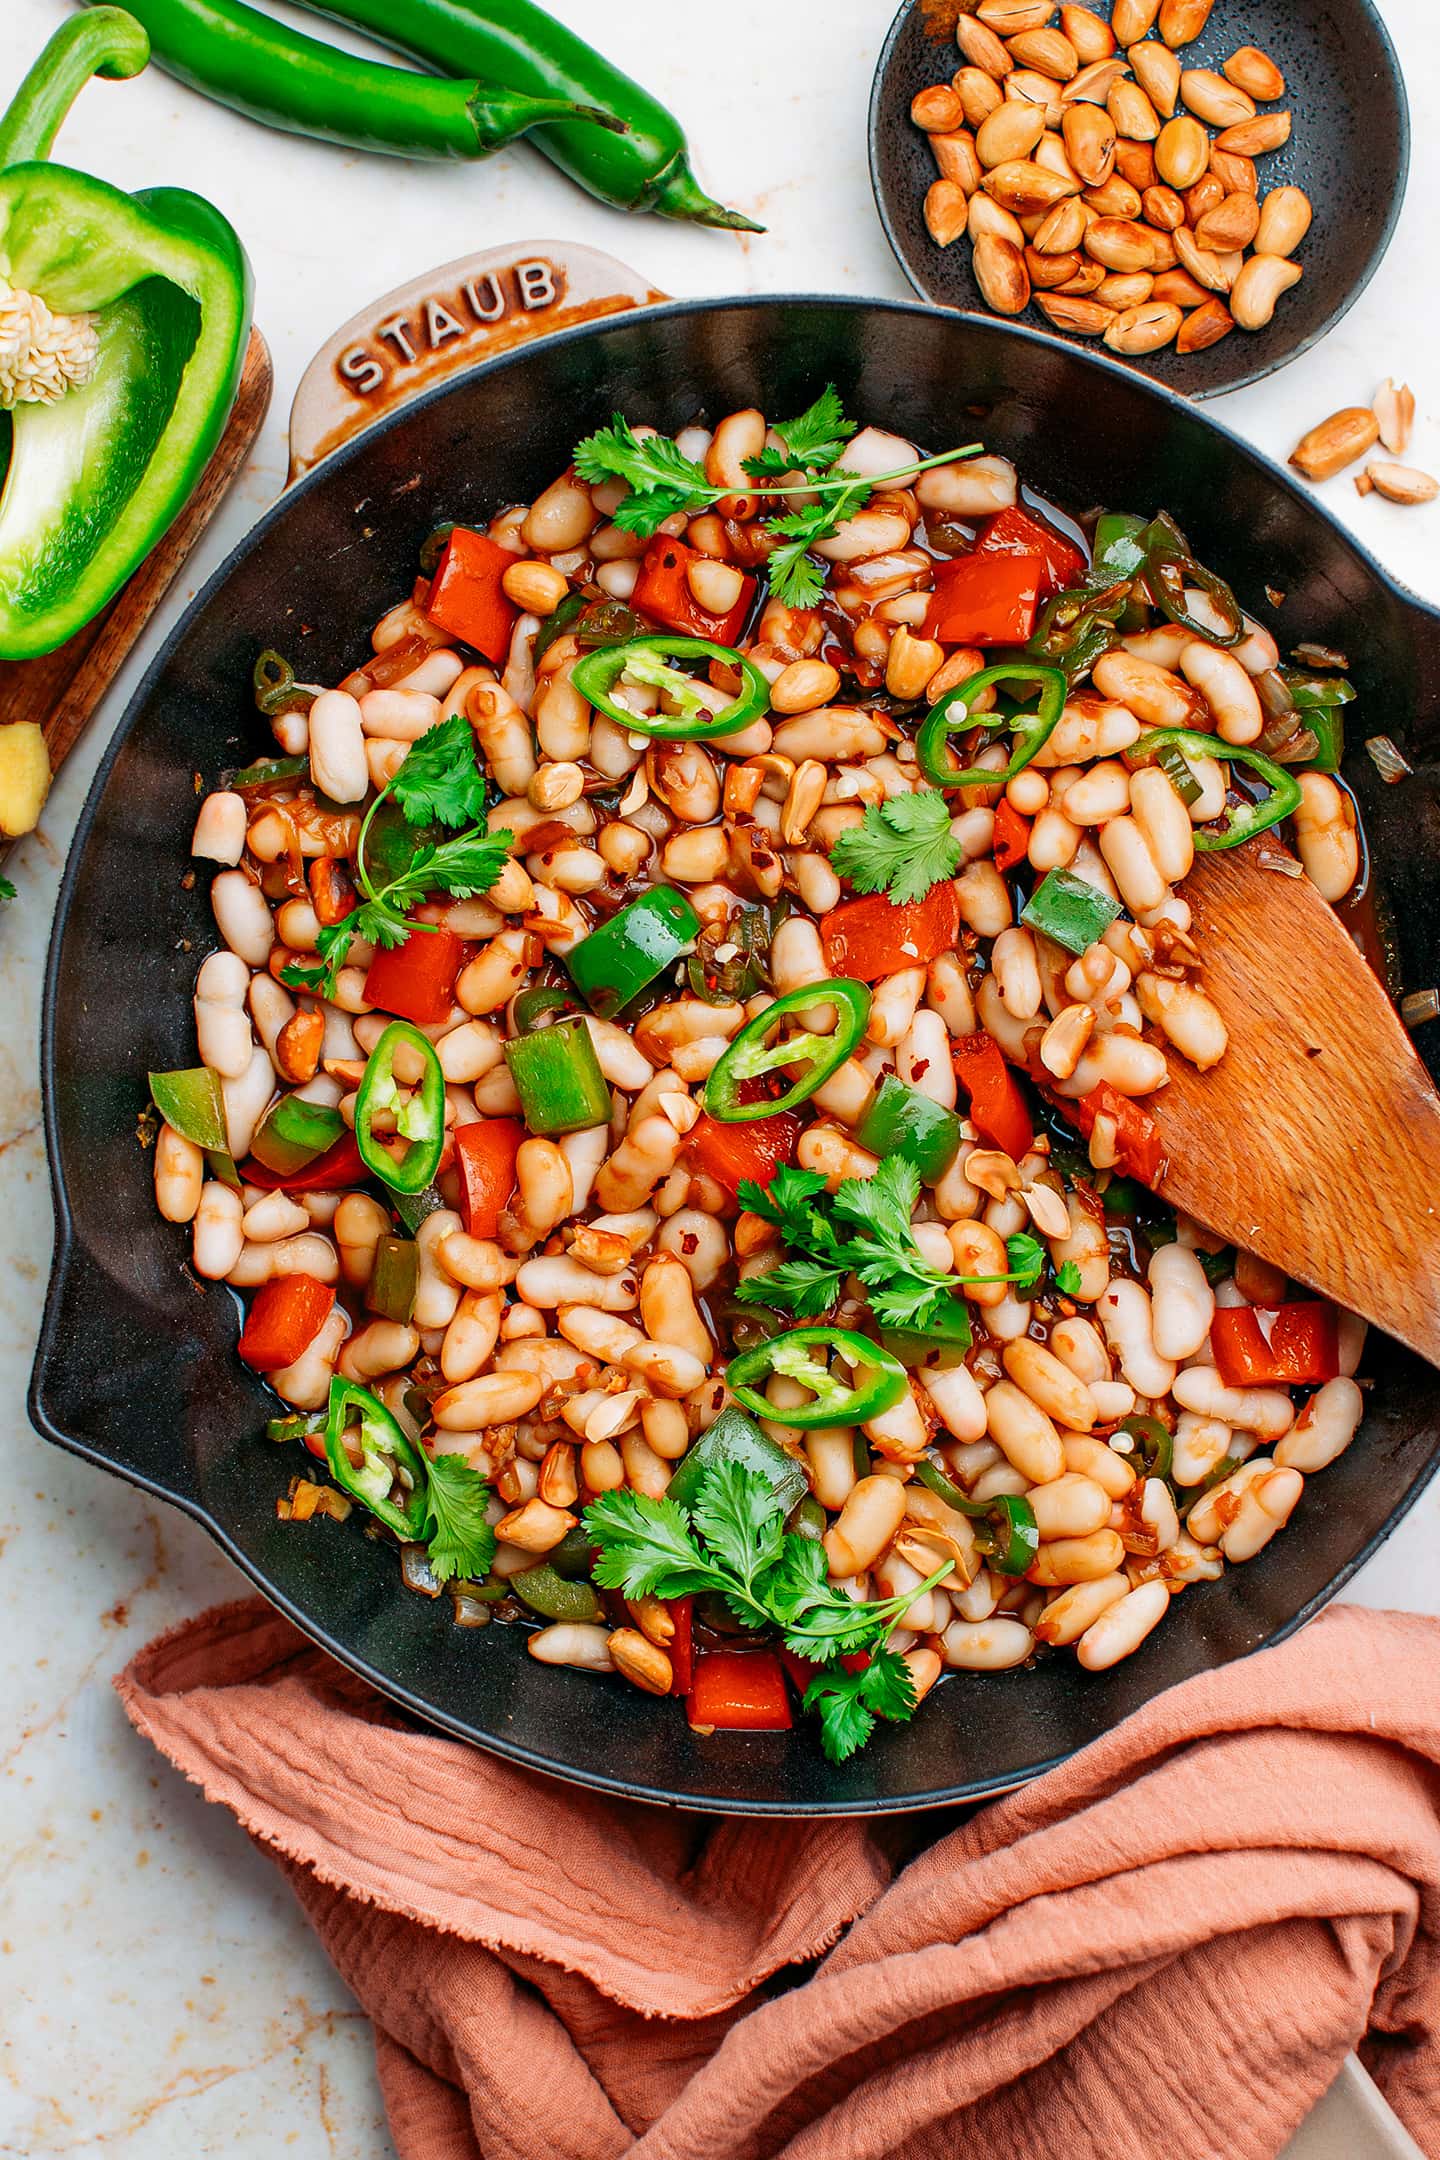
(1349, 149)
(136, 1368)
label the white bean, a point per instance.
(219, 1232)
(179, 1176)
(986, 1645)
(923, 1061)
(1123, 1626)
(571, 1642)
(1326, 836)
(1125, 1314)
(1182, 1303)
(245, 1100)
(222, 1025)
(242, 917)
(1324, 1428)
(1266, 1411)
(1226, 688)
(337, 747)
(219, 834)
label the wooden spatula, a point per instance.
(1315, 1141)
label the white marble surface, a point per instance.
(159, 1995)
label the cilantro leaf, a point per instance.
(738, 1514)
(662, 480)
(439, 779)
(849, 1703)
(794, 579)
(1027, 1259)
(811, 442)
(462, 867)
(902, 846)
(646, 1549)
(1068, 1279)
(803, 1288)
(882, 1205)
(461, 1542)
(787, 1196)
(7, 890)
(331, 946)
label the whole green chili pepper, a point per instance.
(513, 41)
(1032, 730)
(750, 1056)
(647, 660)
(420, 1120)
(120, 399)
(257, 66)
(1246, 819)
(837, 1402)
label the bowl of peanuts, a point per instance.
(1201, 188)
(190, 876)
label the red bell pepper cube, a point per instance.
(755, 1150)
(466, 596)
(1139, 1147)
(662, 591)
(739, 1691)
(682, 1644)
(284, 1320)
(997, 1106)
(336, 1170)
(1286, 1346)
(1018, 531)
(485, 1154)
(985, 599)
(872, 937)
(416, 980)
(1012, 836)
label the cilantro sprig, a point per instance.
(460, 1541)
(902, 847)
(734, 1545)
(438, 783)
(7, 890)
(664, 483)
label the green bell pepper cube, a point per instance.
(394, 1278)
(902, 1121)
(837, 1402)
(295, 1133)
(751, 1055)
(953, 714)
(648, 660)
(1117, 550)
(558, 1079)
(942, 1341)
(192, 1105)
(1068, 909)
(625, 955)
(736, 1438)
(388, 1455)
(139, 313)
(419, 1117)
(554, 1596)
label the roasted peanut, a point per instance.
(1336, 442)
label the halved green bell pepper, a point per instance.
(139, 312)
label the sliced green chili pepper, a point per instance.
(749, 1057)
(1075, 628)
(736, 1438)
(386, 1449)
(1180, 773)
(1118, 550)
(412, 1208)
(276, 690)
(1170, 567)
(532, 1005)
(902, 1121)
(625, 955)
(299, 1427)
(394, 1278)
(114, 408)
(191, 1104)
(554, 1596)
(295, 1133)
(1308, 687)
(1010, 1539)
(1070, 910)
(1032, 729)
(419, 1119)
(1153, 1447)
(646, 660)
(556, 623)
(1247, 819)
(269, 772)
(836, 1401)
(723, 982)
(558, 1079)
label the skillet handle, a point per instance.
(444, 321)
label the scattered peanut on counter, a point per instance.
(1079, 162)
(1346, 435)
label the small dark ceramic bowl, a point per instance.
(1349, 150)
(136, 1368)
